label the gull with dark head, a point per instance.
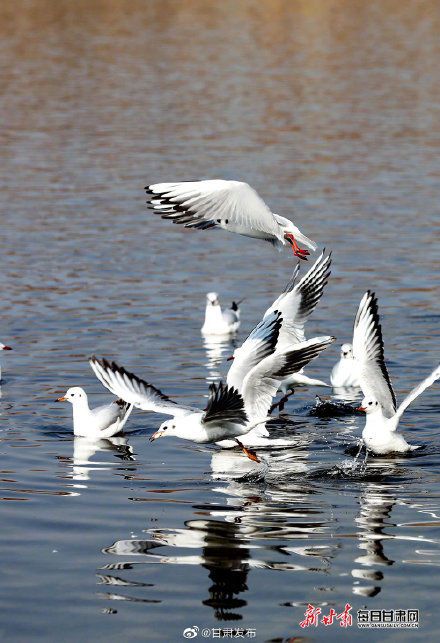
(102, 422)
(231, 205)
(382, 418)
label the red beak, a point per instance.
(362, 408)
(7, 348)
(229, 358)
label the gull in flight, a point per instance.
(345, 372)
(3, 347)
(103, 422)
(218, 322)
(233, 409)
(296, 304)
(263, 362)
(231, 205)
(223, 417)
(382, 418)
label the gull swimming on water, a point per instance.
(218, 322)
(382, 418)
(102, 422)
(3, 347)
(233, 409)
(231, 205)
(345, 372)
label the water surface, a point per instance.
(329, 109)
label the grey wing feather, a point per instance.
(225, 405)
(113, 413)
(229, 317)
(205, 204)
(261, 384)
(302, 354)
(368, 350)
(260, 343)
(133, 389)
(417, 390)
(299, 300)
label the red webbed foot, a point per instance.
(301, 253)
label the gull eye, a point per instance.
(370, 403)
(71, 395)
(173, 426)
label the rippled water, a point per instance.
(331, 110)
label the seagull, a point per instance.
(218, 322)
(260, 365)
(345, 372)
(296, 304)
(102, 422)
(382, 418)
(224, 416)
(263, 362)
(3, 347)
(231, 205)
(234, 408)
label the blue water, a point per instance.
(331, 111)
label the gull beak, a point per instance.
(61, 399)
(362, 408)
(156, 435)
(230, 358)
(7, 348)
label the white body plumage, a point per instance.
(218, 322)
(102, 422)
(345, 373)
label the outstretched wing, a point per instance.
(133, 389)
(225, 406)
(261, 384)
(368, 352)
(260, 343)
(417, 390)
(205, 204)
(298, 301)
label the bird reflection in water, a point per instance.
(226, 557)
(258, 526)
(376, 504)
(85, 448)
(377, 500)
(218, 348)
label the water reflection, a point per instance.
(330, 109)
(85, 448)
(250, 529)
(278, 517)
(376, 504)
(218, 349)
(224, 553)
